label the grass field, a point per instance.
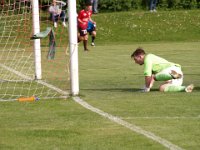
(109, 81)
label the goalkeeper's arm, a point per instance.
(149, 81)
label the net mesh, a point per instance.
(17, 68)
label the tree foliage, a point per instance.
(126, 5)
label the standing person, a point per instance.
(152, 5)
(56, 12)
(84, 16)
(159, 69)
(95, 6)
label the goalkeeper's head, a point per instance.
(138, 56)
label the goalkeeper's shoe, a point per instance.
(189, 88)
(175, 75)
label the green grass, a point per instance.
(115, 80)
(110, 80)
(142, 26)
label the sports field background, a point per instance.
(109, 81)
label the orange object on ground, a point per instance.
(28, 99)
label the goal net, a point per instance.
(17, 56)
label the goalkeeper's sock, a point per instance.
(163, 77)
(173, 88)
(167, 76)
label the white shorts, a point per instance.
(176, 82)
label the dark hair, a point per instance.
(88, 3)
(137, 52)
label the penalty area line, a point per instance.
(132, 127)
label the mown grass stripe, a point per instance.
(132, 127)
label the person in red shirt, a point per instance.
(84, 16)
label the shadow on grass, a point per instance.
(128, 90)
(196, 88)
(119, 90)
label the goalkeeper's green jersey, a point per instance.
(154, 64)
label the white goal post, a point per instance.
(25, 67)
(74, 76)
(73, 47)
(37, 49)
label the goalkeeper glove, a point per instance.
(145, 89)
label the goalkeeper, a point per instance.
(159, 69)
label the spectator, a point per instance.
(56, 12)
(94, 6)
(152, 5)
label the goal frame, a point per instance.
(73, 46)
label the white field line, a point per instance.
(15, 72)
(132, 127)
(115, 119)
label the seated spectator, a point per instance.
(56, 12)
